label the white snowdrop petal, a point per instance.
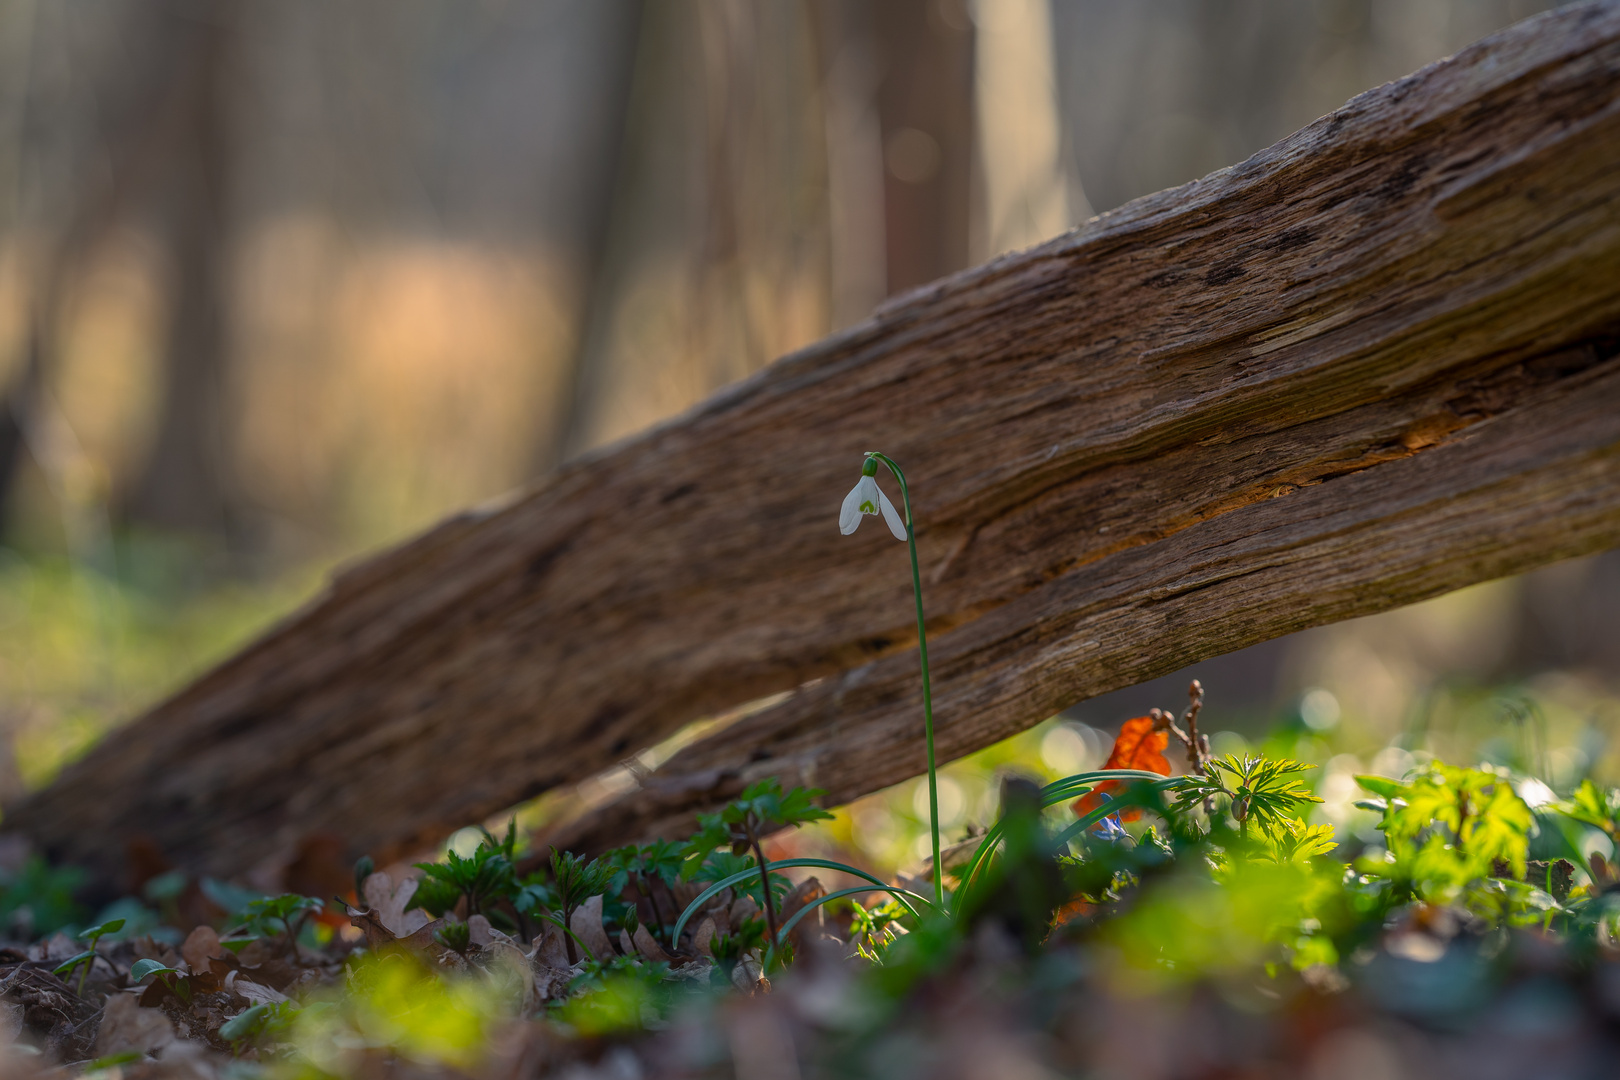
(849, 516)
(897, 524)
(870, 494)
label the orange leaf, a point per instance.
(1138, 746)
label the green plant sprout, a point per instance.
(659, 861)
(575, 881)
(485, 876)
(171, 977)
(761, 809)
(291, 910)
(257, 1021)
(87, 959)
(455, 936)
(867, 498)
(1264, 790)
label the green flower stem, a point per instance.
(928, 697)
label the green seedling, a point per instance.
(1264, 790)
(87, 959)
(729, 949)
(485, 877)
(172, 978)
(256, 1022)
(644, 867)
(762, 809)
(1447, 828)
(455, 936)
(291, 910)
(575, 881)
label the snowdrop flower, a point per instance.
(867, 498)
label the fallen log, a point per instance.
(1372, 363)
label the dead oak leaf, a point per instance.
(1137, 746)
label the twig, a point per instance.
(1196, 743)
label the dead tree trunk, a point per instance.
(1372, 363)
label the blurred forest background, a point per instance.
(283, 281)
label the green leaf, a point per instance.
(1500, 830)
(72, 962)
(1381, 785)
(142, 968)
(1291, 840)
(111, 926)
(434, 896)
(258, 1020)
(243, 1024)
(101, 1064)
(1592, 806)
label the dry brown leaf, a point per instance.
(1137, 746)
(742, 909)
(480, 931)
(255, 993)
(552, 982)
(371, 924)
(550, 949)
(703, 937)
(388, 901)
(649, 948)
(805, 892)
(201, 945)
(587, 926)
(125, 1026)
(510, 971)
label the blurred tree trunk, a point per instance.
(924, 49)
(134, 88)
(709, 230)
(186, 484)
(604, 243)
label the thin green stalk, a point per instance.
(928, 696)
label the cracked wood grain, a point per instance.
(1371, 363)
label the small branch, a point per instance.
(1197, 746)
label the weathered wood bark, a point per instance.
(1372, 363)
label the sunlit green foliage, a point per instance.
(1449, 827)
(1250, 913)
(1290, 840)
(396, 1005)
(1265, 790)
(1591, 805)
(621, 995)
